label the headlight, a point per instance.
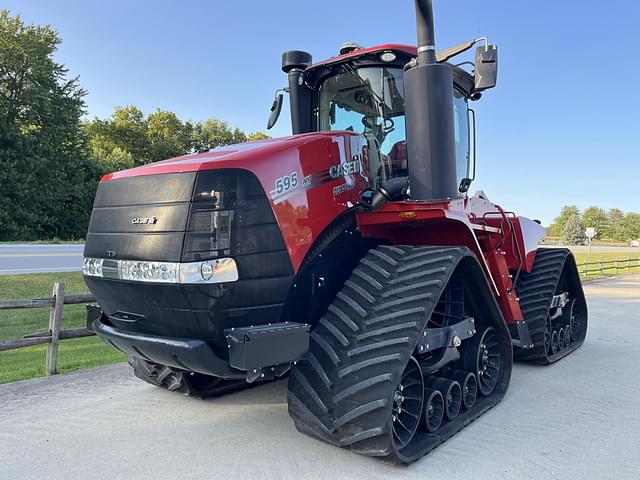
(210, 271)
(92, 267)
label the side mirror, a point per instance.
(486, 73)
(276, 108)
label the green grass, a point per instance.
(598, 257)
(29, 362)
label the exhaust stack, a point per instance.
(428, 87)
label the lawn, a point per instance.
(29, 362)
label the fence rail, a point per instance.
(601, 267)
(52, 337)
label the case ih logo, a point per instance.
(144, 220)
(348, 168)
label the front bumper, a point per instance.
(250, 349)
(184, 354)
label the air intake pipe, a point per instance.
(294, 63)
(428, 87)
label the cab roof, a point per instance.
(315, 74)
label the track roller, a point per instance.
(451, 392)
(433, 409)
(555, 342)
(561, 338)
(469, 385)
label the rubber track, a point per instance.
(535, 291)
(360, 347)
(177, 380)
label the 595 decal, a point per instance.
(286, 183)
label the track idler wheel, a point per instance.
(469, 385)
(451, 392)
(408, 401)
(433, 409)
(483, 357)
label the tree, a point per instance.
(557, 227)
(168, 136)
(615, 229)
(47, 180)
(630, 227)
(252, 137)
(214, 133)
(573, 231)
(122, 136)
(595, 217)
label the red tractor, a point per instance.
(349, 255)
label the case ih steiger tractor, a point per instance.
(349, 255)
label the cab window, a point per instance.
(370, 101)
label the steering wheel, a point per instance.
(387, 126)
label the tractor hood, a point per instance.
(242, 155)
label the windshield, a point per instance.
(369, 101)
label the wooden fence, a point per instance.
(52, 337)
(608, 267)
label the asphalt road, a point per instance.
(32, 258)
(578, 419)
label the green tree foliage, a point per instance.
(168, 135)
(214, 133)
(630, 226)
(47, 180)
(557, 227)
(615, 229)
(252, 137)
(128, 138)
(573, 231)
(596, 217)
(611, 225)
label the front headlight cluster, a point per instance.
(148, 271)
(92, 267)
(210, 271)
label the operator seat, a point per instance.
(397, 159)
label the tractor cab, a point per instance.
(362, 90)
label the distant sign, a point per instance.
(590, 232)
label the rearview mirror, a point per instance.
(276, 108)
(486, 73)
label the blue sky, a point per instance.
(562, 127)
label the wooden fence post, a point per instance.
(55, 318)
